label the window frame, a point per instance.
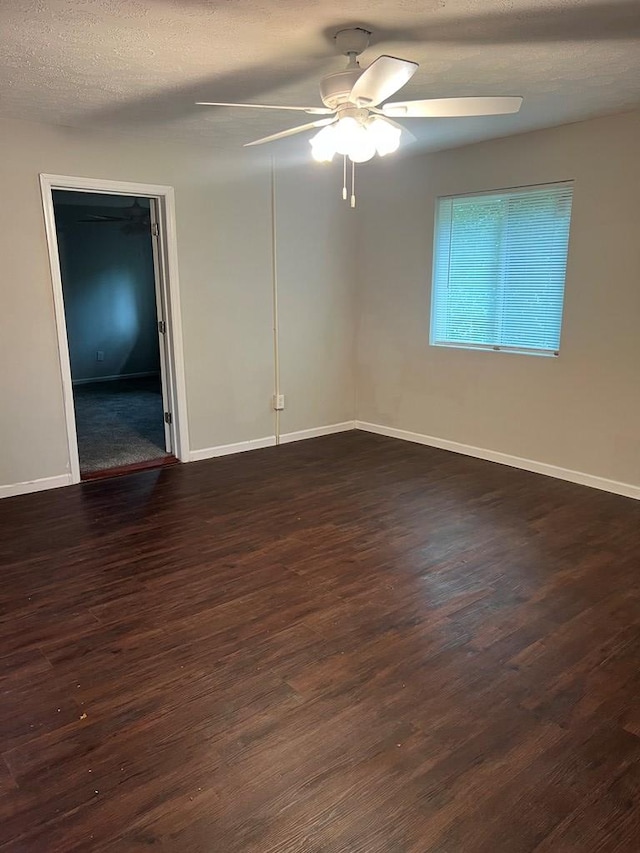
(467, 345)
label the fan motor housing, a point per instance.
(336, 88)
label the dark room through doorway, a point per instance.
(114, 332)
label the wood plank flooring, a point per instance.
(346, 645)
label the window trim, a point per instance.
(545, 353)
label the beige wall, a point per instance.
(224, 249)
(316, 311)
(580, 411)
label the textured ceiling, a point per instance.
(137, 66)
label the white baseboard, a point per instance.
(315, 432)
(626, 489)
(227, 449)
(268, 441)
(194, 456)
(618, 488)
(28, 486)
(116, 376)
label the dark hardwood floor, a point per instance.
(345, 645)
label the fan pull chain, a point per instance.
(344, 179)
(353, 184)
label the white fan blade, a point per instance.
(314, 111)
(381, 79)
(291, 132)
(452, 107)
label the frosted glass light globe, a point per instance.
(363, 147)
(346, 134)
(385, 136)
(323, 147)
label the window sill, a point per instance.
(546, 353)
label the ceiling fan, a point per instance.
(136, 218)
(360, 122)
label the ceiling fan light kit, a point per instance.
(360, 123)
(359, 141)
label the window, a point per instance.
(499, 268)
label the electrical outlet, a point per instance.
(278, 402)
(100, 355)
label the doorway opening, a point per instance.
(116, 316)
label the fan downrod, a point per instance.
(335, 88)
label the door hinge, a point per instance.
(155, 229)
(162, 327)
(167, 418)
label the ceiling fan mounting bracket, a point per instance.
(352, 41)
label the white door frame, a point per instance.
(161, 314)
(168, 271)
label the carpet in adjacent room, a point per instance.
(119, 423)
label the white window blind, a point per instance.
(499, 269)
